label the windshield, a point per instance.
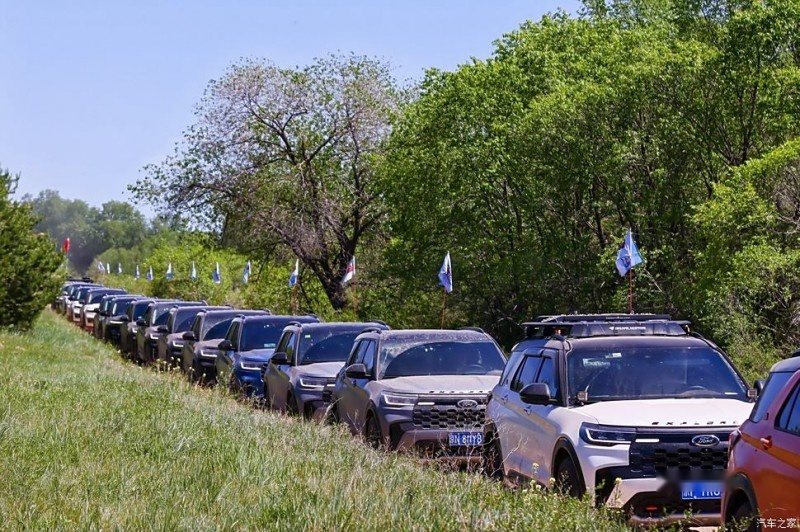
(162, 315)
(216, 331)
(326, 346)
(260, 335)
(183, 321)
(407, 358)
(97, 297)
(119, 308)
(652, 373)
(139, 310)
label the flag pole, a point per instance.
(444, 304)
(294, 299)
(630, 290)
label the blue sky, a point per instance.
(94, 90)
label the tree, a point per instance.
(29, 265)
(286, 157)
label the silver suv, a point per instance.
(421, 390)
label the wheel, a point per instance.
(372, 432)
(743, 518)
(567, 480)
(492, 459)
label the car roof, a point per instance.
(279, 318)
(607, 342)
(232, 312)
(435, 334)
(790, 364)
(342, 325)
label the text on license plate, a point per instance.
(462, 439)
(701, 490)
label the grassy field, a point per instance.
(88, 440)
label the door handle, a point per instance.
(504, 398)
(766, 442)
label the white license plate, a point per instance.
(465, 439)
(692, 491)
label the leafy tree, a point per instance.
(286, 157)
(30, 263)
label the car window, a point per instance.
(171, 321)
(547, 375)
(405, 358)
(291, 341)
(789, 418)
(233, 335)
(354, 352)
(326, 346)
(527, 372)
(260, 335)
(511, 365)
(197, 326)
(775, 382)
(369, 356)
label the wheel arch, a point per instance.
(563, 449)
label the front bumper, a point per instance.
(249, 382)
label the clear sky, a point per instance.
(92, 91)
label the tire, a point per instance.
(372, 432)
(492, 459)
(568, 480)
(744, 518)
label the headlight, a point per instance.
(316, 383)
(396, 399)
(114, 322)
(152, 337)
(177, 345)
(251, 366)
(207, 354)
(607, 436)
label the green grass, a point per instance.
(88, 440)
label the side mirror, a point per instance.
(124, 318)
(189, 336)
(537, 393)
(141, 323)
(759, 385)
(356, 371)
(163, 329)
(225, 345)
(279, 358)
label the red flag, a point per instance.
(66, 245)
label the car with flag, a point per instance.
(763, 477)
(419, 390)
(201, 342)
(179, 321)
(634, 410)
(147, 330)
(248, 344)
(300, 374)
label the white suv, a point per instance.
(632, 409)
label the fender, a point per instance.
(739, 482)
(563, 444)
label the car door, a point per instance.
(513, 437)
(538, 426)
(777, 482)
(226, 359)
(279, 384)
(348, 396)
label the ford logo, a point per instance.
(467, 403)
(705, 440)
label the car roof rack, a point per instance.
(377, 330)
(475, 329)
(591, 325)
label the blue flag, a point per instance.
(446, 274)
(119, 268)
(101, 267)
(216, 277)
(628, 255)
(295, 274)
(136, 275)
(194, 272)
(246, 275)
(170, 275)
(150, 274)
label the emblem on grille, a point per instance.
(467, 403)
(705, 440)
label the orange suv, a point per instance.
(763, 477)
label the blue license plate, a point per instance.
(692, 491)
(465, 439)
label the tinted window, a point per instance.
(369, 357)
(789, 419)
(325, 346)
(510, 367)
(772, 387)
(96, 298)
(161, 317)
(547, 375)
(406, 358)
(289, 348)
(527, 373)
(170, 321)
(357, 353)
(183, 322)
(257, 335)
(652, 373)
(139, 310)
(148, 315)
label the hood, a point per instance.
(320, 369)
(208, 345)
(669, 413)
(91, 306)
(175, 337)
(442, 384)
(257, 355)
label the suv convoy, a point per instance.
(170, 344)
(128, 326)
(148, 328)
(634, 409)
(422, 390)
(91, 302)
(299, 377)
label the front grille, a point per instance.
(676, 458)
(445, 413)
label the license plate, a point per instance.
(692, 491)
(465, 439)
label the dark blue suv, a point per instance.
(248, 345)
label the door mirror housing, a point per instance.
(141, 323)
(225, 345)
(356, 371)
(189, 336)
(280, 358)
(759, 385)
(537, 393)
(163, 329)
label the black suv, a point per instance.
(633, 409)
(147, 330)
(299, 377)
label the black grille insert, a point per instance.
(446, 413)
